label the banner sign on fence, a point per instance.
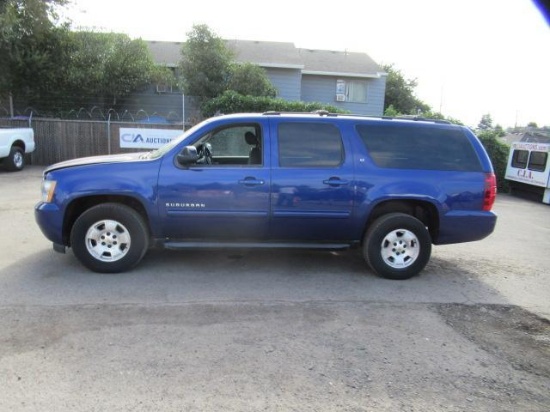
(147, 138)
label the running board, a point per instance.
(253, 245)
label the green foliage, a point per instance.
(43, 61)
(163, 75)
(206, 63)
(400, 93)
(30, 46)
(498, 152)
(250, 80)
(108, 65)
(233, 102)
(390, 111)
(486, 122)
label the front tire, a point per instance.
(109, 238)
(397, 246)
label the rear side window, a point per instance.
(310, 145)
(419, 147)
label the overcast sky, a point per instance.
(470, 57)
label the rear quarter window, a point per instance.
(419, 147)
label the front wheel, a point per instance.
(109, 238)
(397, 246)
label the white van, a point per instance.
(529, 169)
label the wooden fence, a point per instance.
(58, 140)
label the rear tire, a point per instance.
(397, 246)
(15, 160)
(109, 238)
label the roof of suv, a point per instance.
(326, 114)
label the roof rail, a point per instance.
(320, 112)
(327, 114)
(422, 119)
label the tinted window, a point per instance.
(419, 147)
(519, 158)
(309, 145)
(537, 161)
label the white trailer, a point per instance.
(528, 168)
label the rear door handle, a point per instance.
(251, 181)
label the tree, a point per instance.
(400, 93)
(31, 46)
(250, 80)
(486, 122)
(107, 65)
(206, 63)
(498, 152)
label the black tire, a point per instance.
(109, 238)
(16, 159)
(397, 246)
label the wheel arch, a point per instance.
(423, 210)
(20, 144)
(79, 205)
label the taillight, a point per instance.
(490, 191)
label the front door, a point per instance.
(225, 196)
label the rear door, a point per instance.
(312, 181)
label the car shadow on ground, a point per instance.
(257, 275)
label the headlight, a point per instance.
(48, 188)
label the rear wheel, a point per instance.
(397, 246)
(109, 238)
(16, 159)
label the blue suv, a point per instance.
(387, 186)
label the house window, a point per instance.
(356, 91)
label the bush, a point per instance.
(498, 152)
(233, 102)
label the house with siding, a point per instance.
(348, 80)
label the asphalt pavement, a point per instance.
(275, 331)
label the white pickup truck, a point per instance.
(14, 144)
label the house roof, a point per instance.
(281, 55)
(165, 52)
(326, 62)
(266, 54)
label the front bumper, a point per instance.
(49, 218)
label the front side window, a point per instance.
(234, 145)
(309, 145)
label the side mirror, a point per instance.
(188, 156)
